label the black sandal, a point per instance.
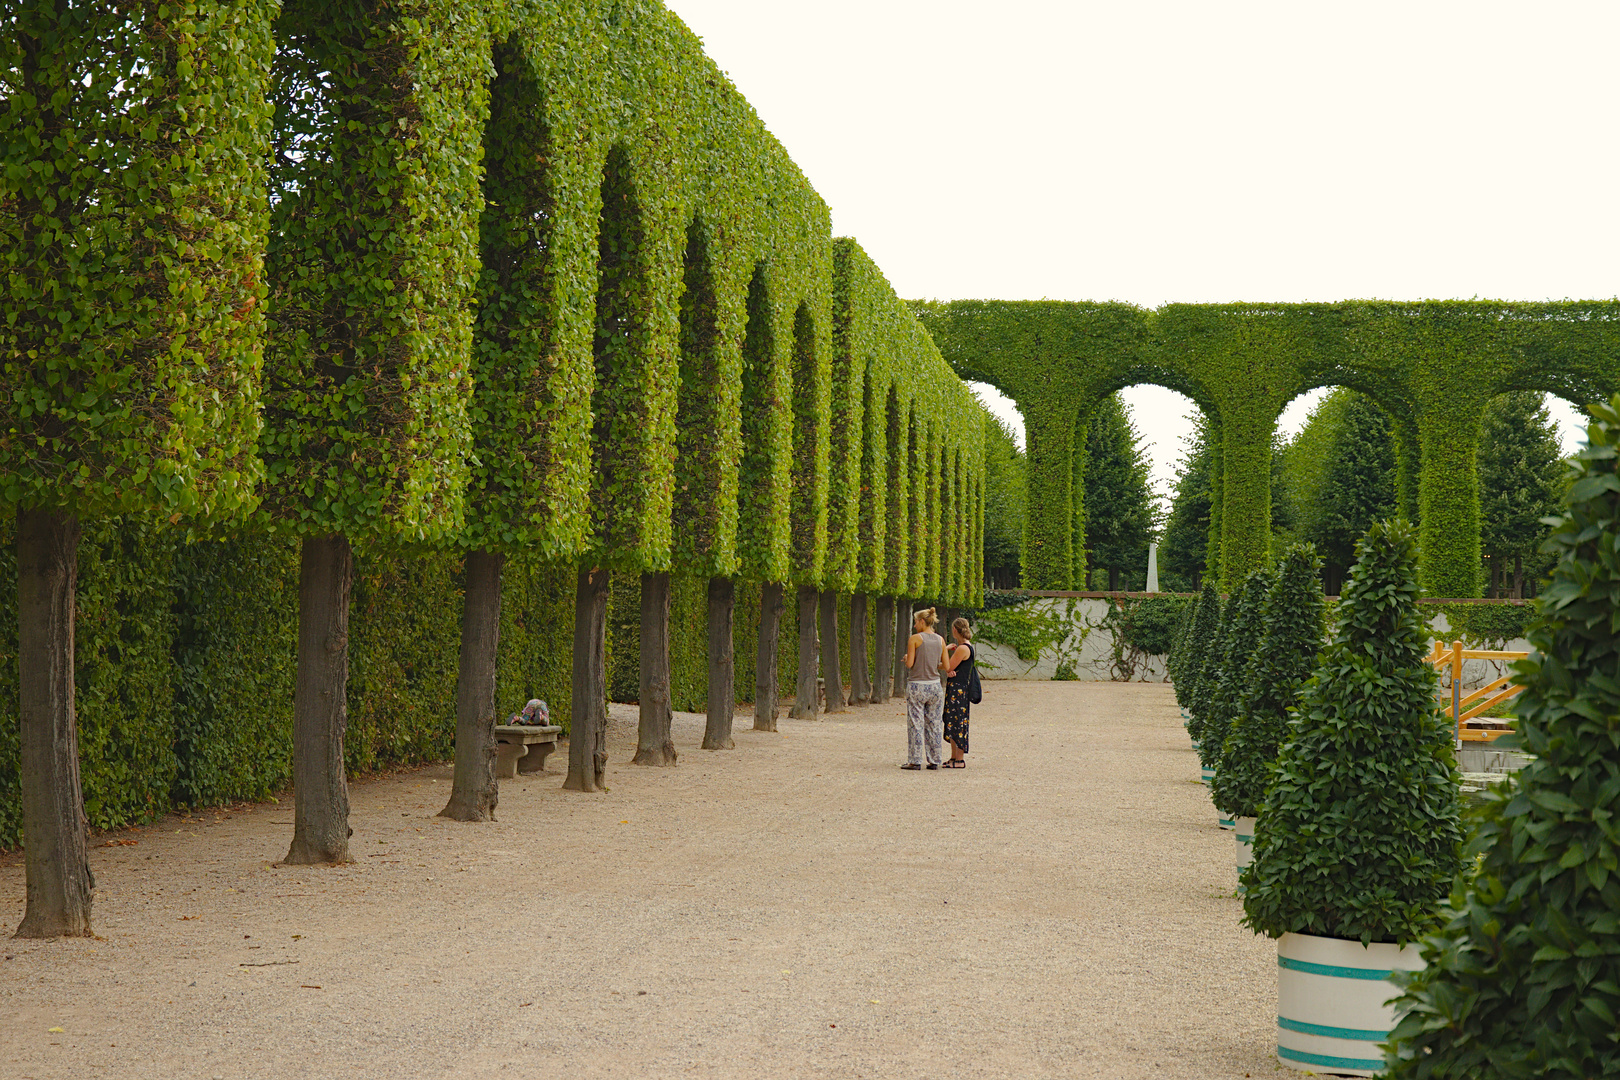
(911, 766)
(956, 763)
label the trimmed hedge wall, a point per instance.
(1432, 366)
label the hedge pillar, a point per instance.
(475, 790)
(804, 699)
(765, 678)
(860, 679)
(54, 824)
(1246, 498)
(587, 735)
(883, 649)
(654, 745)
(1408, 468)
(831, 675)
(1448, 504)
(320, 703)
(722, 667)
(1048, 554)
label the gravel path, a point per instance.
(797, 908)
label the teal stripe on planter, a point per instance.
(1371, 974)
(1328, 1061)
(1245, 839)
(1228, 823)
(1359, 1034)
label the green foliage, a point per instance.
(1034, 627)
(1140, 627)
(1483, 626)
(1215, 617)
(1187, 530)
(1432, 367)
(1359, 834)
(1118, 499)
(1003, 505)
(1290, 639)
(1522, 980)
(1339, 477)
(1229, 684)
(1178, 663)
(1521, 482)
(132, 217)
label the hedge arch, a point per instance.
(1433, 366)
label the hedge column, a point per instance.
(1048, 551)
(1245, 497)
(1448, 492)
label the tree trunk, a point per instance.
(321, 703)
(1113, 579)
(860, 679)
(55, 840)
(883, 661)
(832, 677)
(1518, 577)
(805, 705)
(475, 790)
(654, 746)
(770, 628)
(587, 732)
(902, 636)
(722, 668)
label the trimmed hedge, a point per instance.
(1359, 835)
(1432, 366)
(1524, 979)
(1227, 686)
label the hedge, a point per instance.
(1432, 366)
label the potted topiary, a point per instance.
(1176, 661)
(1207, 638)
(1524, 980)
(1358, 838)
(1242, 635)
(1290, 638)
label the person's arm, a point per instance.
(911, 650)
(954, 655)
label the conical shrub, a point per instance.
(1524, 981)
(1176, 663)
(1358, 836)
(1208, 635)
(1242, 635)
(1290, 639)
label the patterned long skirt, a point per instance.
(956, 716)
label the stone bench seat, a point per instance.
(523, 748)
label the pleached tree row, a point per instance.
(515, 283)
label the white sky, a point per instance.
(1157, 151)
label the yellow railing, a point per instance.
(1466, 711)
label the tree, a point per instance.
(1523, 980)
(1290, 640)
(1519, 480)
(1209, 639)
(1003, 504)
(1359, 835)
(1242, 636)
(1176, 662)
(130, 175)
(1119, 508)
(1186, 531)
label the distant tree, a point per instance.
(1519, 479)
(1003, 504)
(1118, 496)
(1186, 531)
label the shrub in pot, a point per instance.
(1290, 638)
(1524, 980)
(1242, 635)
(1176, 663)
(1358, 838)
(1207, 637)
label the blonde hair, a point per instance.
(963, 627)
(926, 615)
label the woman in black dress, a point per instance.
(959, 663)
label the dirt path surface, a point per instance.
(799, 907)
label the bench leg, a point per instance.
(535, 760)
(507, 756)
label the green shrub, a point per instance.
(1242, 636)
(1524, 980)
(1290, 640)
(1484, 626)
(1150, 623)
(1177, 663)
(1210, 647)
(1359, 836)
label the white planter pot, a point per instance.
(1245, 842)
(1226, 822)
(1331, 1015)
(1205, 774)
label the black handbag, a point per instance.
(975, 694)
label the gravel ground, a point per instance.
(799, 907)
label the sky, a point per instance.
(1158, 151)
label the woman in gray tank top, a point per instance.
(925, 696)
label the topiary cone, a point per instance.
(1524, 980)
(1242, 635)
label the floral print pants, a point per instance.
(925, 706)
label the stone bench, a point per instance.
(523, 748)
